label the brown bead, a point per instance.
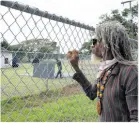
(98, 85)
(102, 88)
(100, 95)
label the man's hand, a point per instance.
(73, 57)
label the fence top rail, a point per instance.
(45, 14)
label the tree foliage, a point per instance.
(122, 17)
(5, 44)
(30, 48)
(86, 47)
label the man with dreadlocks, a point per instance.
(116, 86)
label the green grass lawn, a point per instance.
(15, 83)
(75, 108)
(27, 98)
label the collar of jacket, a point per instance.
(115, 70)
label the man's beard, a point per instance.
(95, 59)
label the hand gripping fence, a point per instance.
(31, 40)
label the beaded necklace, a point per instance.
(101, 82)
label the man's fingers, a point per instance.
(69, 54)
(74, 54)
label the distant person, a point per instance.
(15, 62)
(35, 60)
(59, 65)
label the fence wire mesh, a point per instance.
(32, 41)
(29, 90)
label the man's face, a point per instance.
(97, 52)
(97, 49)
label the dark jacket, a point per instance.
(120, 97)
(59, 65)
(36, 60)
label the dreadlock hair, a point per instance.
(114, 35)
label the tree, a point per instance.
(48, 48)
(85, 49)
(134, 9)
(17, 51)
(123, 18)
(5, 44)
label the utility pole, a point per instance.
(130, 1)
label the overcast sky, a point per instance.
(85, 11)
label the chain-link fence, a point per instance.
(31, 41)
